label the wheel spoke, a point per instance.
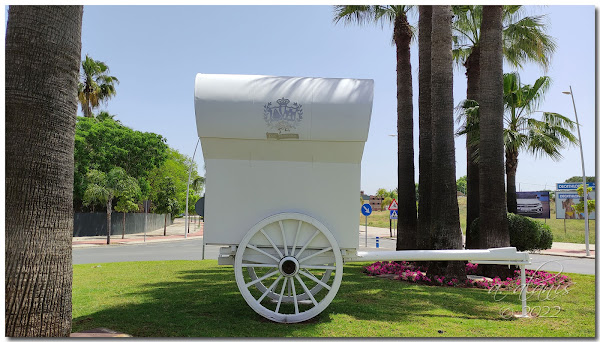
(296, 238)
(313, 278)
(318, 267)
(306, 290)
(307, 243)
(270, 288)
(283, 235)
(281, 295)
(272, 243)
(295, 297)
(315, 254)
(262, 278)
(263, 252)
(260, 265)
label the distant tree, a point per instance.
(461, 184)
(104, 187)
(579, 179)
(381, 192)
(42, 53)
(96, 85)
(386, 203)
(580, 207)
(165, 199)
(176, 167)
(104, 143)
(197, 184)
(127, 202)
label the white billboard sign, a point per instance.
(565, 201)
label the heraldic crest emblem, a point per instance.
(283, 116)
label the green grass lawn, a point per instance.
(575, 229)
(201, 299)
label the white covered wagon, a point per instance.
(282, 158)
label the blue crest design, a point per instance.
(283, 116)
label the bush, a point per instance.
(546, 237)
(525, 233)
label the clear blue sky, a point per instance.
(156, 51)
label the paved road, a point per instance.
(191, 249)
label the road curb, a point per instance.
(567, 255)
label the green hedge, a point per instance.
(525, 233)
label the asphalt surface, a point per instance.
(191, 249)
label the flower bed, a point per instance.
(409, 272)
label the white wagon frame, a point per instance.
(269, 142)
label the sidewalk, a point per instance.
(176, 231)
(576, 250)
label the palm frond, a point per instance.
(354, 14)
(527, 41)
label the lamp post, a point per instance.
(585, 202)
(187, 195)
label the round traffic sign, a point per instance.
(366, 209)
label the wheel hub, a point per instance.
(289, 266)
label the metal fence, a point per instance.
(94, 224)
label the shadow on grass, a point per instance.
(205, 302)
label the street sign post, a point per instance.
(366, 210)
(393, 208)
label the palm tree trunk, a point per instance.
(445, 220)
(108, 219)
(512, 160)
(123, 235)
(407, 203)
(493, 224)
(472, 65)
(87, 110)
(43, 49)
(425, 176)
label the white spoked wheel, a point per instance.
(288, 267)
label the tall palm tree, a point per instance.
(445, 221)
(492, 216)
(522, 131)
(396, 15)
(524, 40)
(425, 175)
(43, 48)
(96, 85)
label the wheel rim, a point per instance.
(288, 267)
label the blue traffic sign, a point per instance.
(393, 214)
(366, 209)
